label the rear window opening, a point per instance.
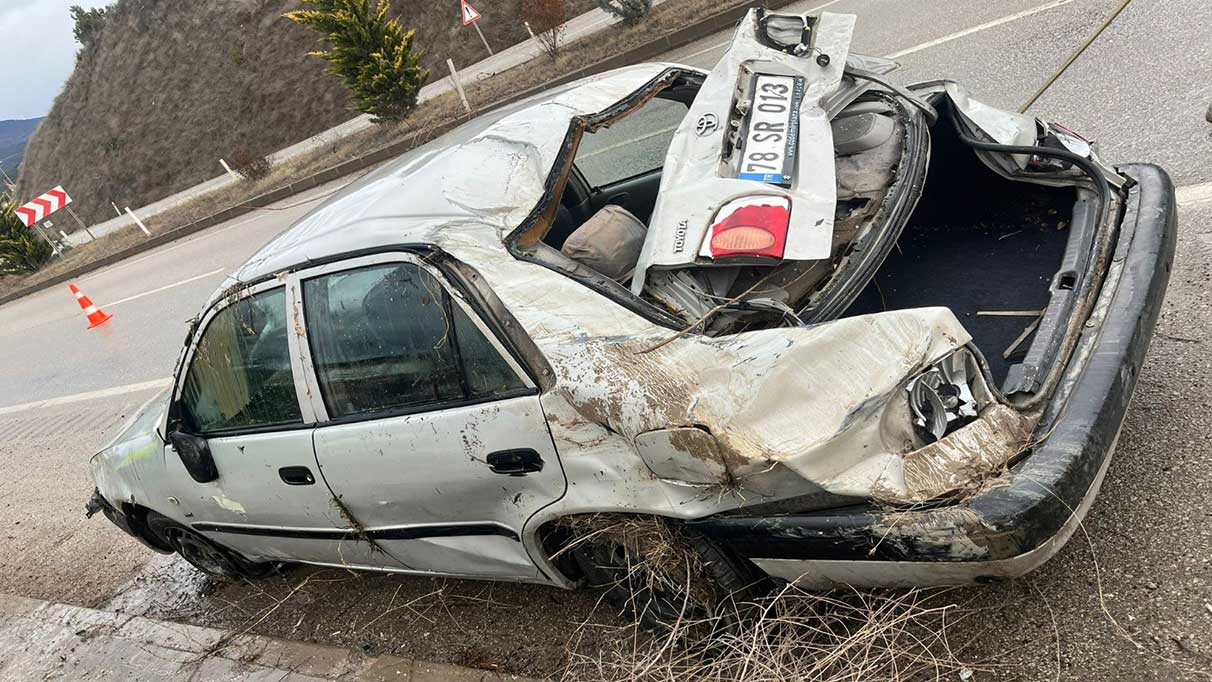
(978, 243)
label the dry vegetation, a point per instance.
(793, 635)
(788, 634)
(664, 19)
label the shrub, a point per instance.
(630, 12)
(89, 23)
(21, 250)
(546, 19)
(373, 54)
(249, 165)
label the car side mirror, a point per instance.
(195, 455)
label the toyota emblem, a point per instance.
(706, 125)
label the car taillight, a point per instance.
(753, 226)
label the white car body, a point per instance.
(628, 411)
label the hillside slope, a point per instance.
(170, 87)
(13, 137)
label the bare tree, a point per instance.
(546, 19)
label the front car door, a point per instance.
(240, 393)
(429, 432)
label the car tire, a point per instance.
(207, 556)
(661, 605)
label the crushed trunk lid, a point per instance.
(758, 132)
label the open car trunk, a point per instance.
(878, 199)
(955, 250)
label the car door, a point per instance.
(430, 433)
(240, 394)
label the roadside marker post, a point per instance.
(137, 221)
(458, 85)
(470, 17)
(227, 168)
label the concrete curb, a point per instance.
(684, 36)
(43, 640)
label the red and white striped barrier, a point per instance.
(43, 206)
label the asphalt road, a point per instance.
(1142, 90)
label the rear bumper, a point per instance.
(1011, 528)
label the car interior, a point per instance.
(612, 191)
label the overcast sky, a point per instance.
(37, 53)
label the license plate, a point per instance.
(773, 130)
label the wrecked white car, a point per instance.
(826, 328)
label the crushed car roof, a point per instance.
(488, 173)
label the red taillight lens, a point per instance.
(753, 226)
(745, 238)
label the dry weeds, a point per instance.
(792, 635)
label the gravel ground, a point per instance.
(49, 550)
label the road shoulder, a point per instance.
(44, 640)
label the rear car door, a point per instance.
(430, 433)
(240, 393)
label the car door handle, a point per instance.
(296, 476)
(515, 462)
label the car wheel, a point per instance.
(206, 556)
(700, 588)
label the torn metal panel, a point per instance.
(960, 462)
(697, 181)
(1021, 130)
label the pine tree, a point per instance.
(21, 251)
(373, 54)
(631, 12)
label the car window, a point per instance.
(632, 145)
(240, 375)
(388, 338)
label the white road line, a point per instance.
(932, 43)
(163, 288)
(91, 395)
(977, 29)
(726, 42)
(1193, 196)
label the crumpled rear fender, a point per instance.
(824, 402)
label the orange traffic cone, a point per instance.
(96, 316)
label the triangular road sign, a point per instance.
(470, 15)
